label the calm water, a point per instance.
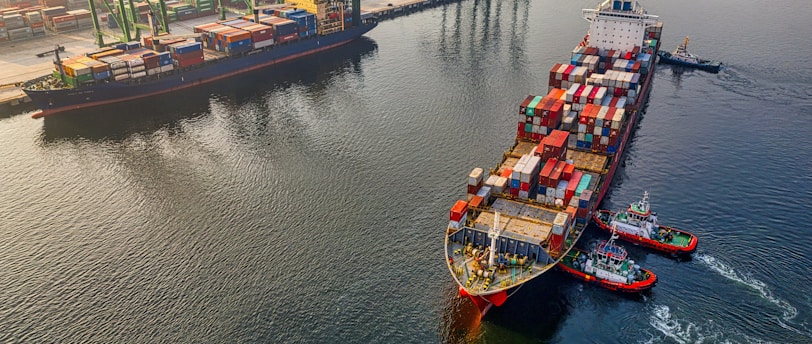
(307, 204)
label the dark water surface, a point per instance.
(308, 204)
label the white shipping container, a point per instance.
(475, 177)
(598, 130)
(153, 71)
(121, 77)
(167, 68)
(524, 194)
(263, 44)
(138, 74)
(599, 96)
(562, 187)
(550, 192)
(559, 74)
(135, 62)
(604, 140)
(581, 136)
(491, 180)
(500, 186)
(585, 94)
(541, 198)
(136, 69)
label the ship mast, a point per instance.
(494, 233)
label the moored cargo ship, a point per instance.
(130, 71)
(523, 216)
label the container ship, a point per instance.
(164, 64)
(522, 217)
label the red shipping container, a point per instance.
(568, 170)
(524, 186)
(581, 213)
(514, 192)
(189, 59)
(458, 210)
(524, 104)
(591, 97)
(556, 242)
(476, 202)
(613, 102)
(544, 175)
(555, 176)
(260, 32)
(506, 173)
(554, 70)
(472, 189)
(576, 98)
(567, 72)
(152, 61)
(283, 39)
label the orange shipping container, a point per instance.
(112, 52)
(64, 18)
(237, 36)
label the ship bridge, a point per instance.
(618, 25)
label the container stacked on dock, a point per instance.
(83, 18)
(16, 27)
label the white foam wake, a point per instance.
(683, 331)
(679, 331)
(723, 269)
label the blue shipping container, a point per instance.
(102, 75)
(187, 48)
(515, 183)
(575, 58)
(132, 45)
(605, 132)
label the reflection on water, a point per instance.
(119, 121)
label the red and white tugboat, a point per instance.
(609, 266)
(639, 225)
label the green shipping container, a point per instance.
(85, 77)
(532, 106)
(528, 128)
(71, 81)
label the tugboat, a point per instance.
(682, 57)
(638, 225)
(609, 266)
